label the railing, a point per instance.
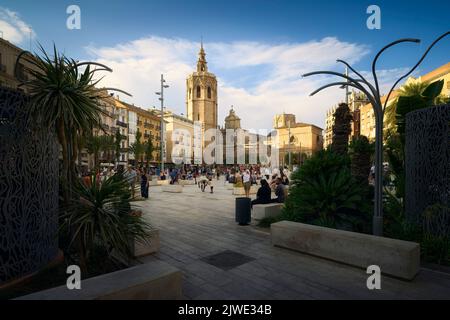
(146, 135)
(122, 124)
(139, 123)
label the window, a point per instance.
(198, 92)
(209, 92)
(190, 91)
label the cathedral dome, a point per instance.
(232, 121)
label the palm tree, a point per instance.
(408, 90)
(137, 148)
(96, 144)
(341, 129)
(64, 97)
(149, 150)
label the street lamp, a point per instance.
(373, 94)
(161, 98)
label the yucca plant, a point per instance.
(63, 95)
(100, 216)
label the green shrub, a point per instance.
(324, 193)
(99, 217)
(266, 222)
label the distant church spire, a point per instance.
(201, 63)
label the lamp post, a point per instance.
(373, 94)
(161, 98)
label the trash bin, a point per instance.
(243, 210)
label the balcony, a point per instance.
(2, 68)
(139, 123)
(122, 124)
(146, 135)
(147, 125)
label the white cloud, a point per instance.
(14, 28)
(259, 79)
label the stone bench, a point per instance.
(270, 210)
(174, 188)
(163, 182)
(394, 257)
(155, 280)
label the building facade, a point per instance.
(301, 139)
(367, 117)
(8, 58)
(179, 138)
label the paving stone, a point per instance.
(194, 225)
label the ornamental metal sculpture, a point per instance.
(373, 94)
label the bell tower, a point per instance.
(201, 94)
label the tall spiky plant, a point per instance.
(63, 96)
(341, 129)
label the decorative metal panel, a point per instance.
(28, 190)
(427, 161)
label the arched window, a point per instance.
(209, 92)
(198, 92)
(190, 91)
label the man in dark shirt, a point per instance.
(264, 194)
(280, 191)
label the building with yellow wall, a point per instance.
(367, 117)
(296, 137)
(8, 58)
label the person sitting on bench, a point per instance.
(263, 196)
(279, 192)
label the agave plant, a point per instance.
(99, 215)
(64, 96)
(324, 193)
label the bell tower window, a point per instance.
(198, 92)
(209, 92)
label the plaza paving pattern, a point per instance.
(195, 225)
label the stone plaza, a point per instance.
(221, 260)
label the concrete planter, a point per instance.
(163, 182)
(156, 280)
(143, 249)
(270, 210)
(394, 257)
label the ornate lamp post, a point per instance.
(373, 94)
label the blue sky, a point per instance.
(257, 49)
